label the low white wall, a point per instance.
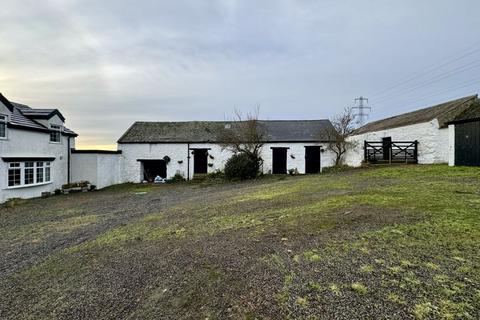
(433, 142)
(131, 170)
(100, 169)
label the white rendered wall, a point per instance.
(131, 170)
(433, 142)
(23, 143)
(100, 169)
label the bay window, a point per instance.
(28, 173)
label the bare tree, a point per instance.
(343, 126)
(243, 134)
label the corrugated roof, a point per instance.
(444, 112)
(208, 131)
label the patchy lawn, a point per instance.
(394, 242)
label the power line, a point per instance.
(472, 65)
(432, 68)
(440, 92)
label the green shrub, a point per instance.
(241, 166)
(176, 178)
(216, 176)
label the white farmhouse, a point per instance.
(149, 149)
(34, 150)
(421, 136)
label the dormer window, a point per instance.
(55, 133)
(3, 126)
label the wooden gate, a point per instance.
(391, 151)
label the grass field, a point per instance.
(398, 242)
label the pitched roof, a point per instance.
(207, 131)
(444, 112)
(471, 114)
(24, 117)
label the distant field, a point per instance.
(394, 242)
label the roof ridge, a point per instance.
(454, 102)
(223, 121)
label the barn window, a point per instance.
(55, 133)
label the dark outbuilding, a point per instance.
(467, 136)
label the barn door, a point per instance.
(467, 144)
(153, 168)
(312, 159)
(279, 160)
(200, 159)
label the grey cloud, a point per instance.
(186, 60)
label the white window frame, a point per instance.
(4, 121)
(56, 128)
(46, 172)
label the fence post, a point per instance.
(365, 151)
(416, 151)
(390, 156)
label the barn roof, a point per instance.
(471, 114)
(444, 112)
(208, 131)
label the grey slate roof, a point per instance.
(207, 131)
(444, 112)
(24, 117)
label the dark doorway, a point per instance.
(279, 160)
(386, 147)
(467, 144)
(312, 159)
(200, 160)
(153, 168)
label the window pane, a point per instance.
(28, 176)
(14, 177)
(55, 136)
(29, 164)
(39, 164)
(47, 174)
(3, 130)
(39, 175)
(14, 165)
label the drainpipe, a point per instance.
(188, 161)
(68, 159)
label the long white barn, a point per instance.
(192, 148)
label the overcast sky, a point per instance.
(106, 64)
